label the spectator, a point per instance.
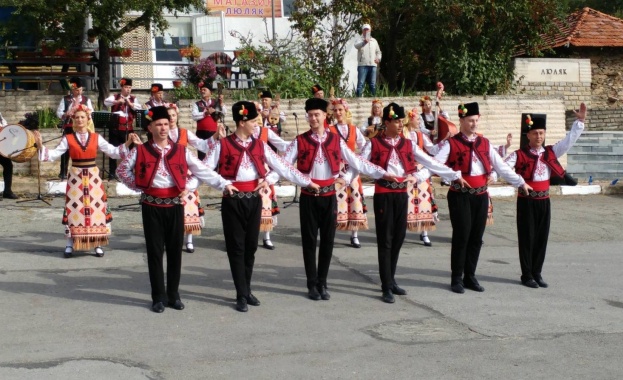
(368, 58)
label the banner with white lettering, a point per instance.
(245, 8)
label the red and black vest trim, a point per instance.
(527, 162)
(307, 149)
(148, 160)
(381, 152)
(124, 121)
(207, 123)
(460, 157)
(232, 153)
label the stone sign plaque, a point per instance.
(549, 70)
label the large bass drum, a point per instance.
(17, 143)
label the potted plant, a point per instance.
(177, 83)
(120, 52)
(203, 70)
(191, 52)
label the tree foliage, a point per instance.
(63, 22)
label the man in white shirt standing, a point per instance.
(368, 58)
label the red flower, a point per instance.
(122, 82)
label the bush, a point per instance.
(203, 70)
(40, 119)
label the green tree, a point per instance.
(63, 22)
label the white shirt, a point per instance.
(368, 52)
(431, 117)
(60, 110)
(162, 178)
(91, 47)
(394, 166)
(197, 115)
(376, 120)
(49, 155)
(322, 171)
(273, 138)
(478, 168)
(344, 130)
(248, 172)
(431, 148)
(542, 171)
(194, 141)
(3, 122)
(110, 101)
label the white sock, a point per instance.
(70, 242)
(189, 238)
(424, 233)
(354, 234)
(267, 236)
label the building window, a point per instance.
(288, 7)
(172, 44)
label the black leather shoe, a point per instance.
(241, 304)
(539, 280)
(457, 287)
(354, 242)
(473, 285)
(322, 290)
(9, 195)
(190, 248)
(388, 296)
(530, 283)
(426, 240)
(313, 294)
(397, 290)
(268, 244)
(158, 307)
(252, 300)
(177, 305)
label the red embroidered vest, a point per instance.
(307, 149)
(148, 160)
(207, 123)
(79, 153)
(182, 136)
(381, 151)
(526, 163)
(232, 153)
(460, 157)
(125, 122)
(263, 135)
(350, 139)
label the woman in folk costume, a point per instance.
(270, 207)
(351, 207)
(423, 213)
(427, 117)
(370, 127)
(86, 216)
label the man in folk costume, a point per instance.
(159, 170)
(86, 216)
(474, 156)
(157, 97)
(317, 91)
(266, 100)
(319, 154)
(270, 207)
(64, 112)
(351, 207)
(244, 159)
(537, 163)
(399, 156)
(422, 215)
(123, 107)
(206, 113)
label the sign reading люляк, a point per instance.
(245, 8)
(552, 69)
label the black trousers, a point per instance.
(65, 156)
(533, 220)
(116, 138)
(164, 230)
(468, 216)
(317, 214)
(390, 219)
(241, 226)
(203, 135)
(7, 173)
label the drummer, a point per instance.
(7, 169)
(86, 215)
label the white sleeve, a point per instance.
(125, 171)
(200, 144)
(359, 164)
(284, 169)
(503, 169)
(196, 114)
(282, 116)
(292, 152)
(204, 173)
(109, 101)
(277, 141)
(61, 109)
(49, 155)
(111, 151)
(361, 140)
(137, 105)
(431, 148)
(444, 151)
(563, 146)
(433, 165)
(212, 155)
(90, 105)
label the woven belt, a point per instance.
(536, 194)
(392, 185)
(323, 190)
(243, 194)
(477, 190)
(160, 201)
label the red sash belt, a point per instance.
(167, 197)
(167, 192)
(382, 186)
(323, 183)
(540, 190)
(246, 186)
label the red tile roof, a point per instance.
(590, 28)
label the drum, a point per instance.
(17, 143)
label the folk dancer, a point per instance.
(206, 112)
(245, 160)
(266, 100)
(63, 112)
(317, 91)
(159, 169)
(537, 163)
(474, 156)
(374, 122)
(86, 216)
(157, 97)
(123, 106)
(351, 206)
(399, 156)
(319, 153)
(7, 169)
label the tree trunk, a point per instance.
(103, 70)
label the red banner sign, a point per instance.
(245, 8)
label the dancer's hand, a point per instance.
(463, 183)
(509, 140)
(314, 186)
(340, 181)
(231, 189)
(390, 177)
(262, 184)
(38, 139)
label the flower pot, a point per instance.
(177, 83)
